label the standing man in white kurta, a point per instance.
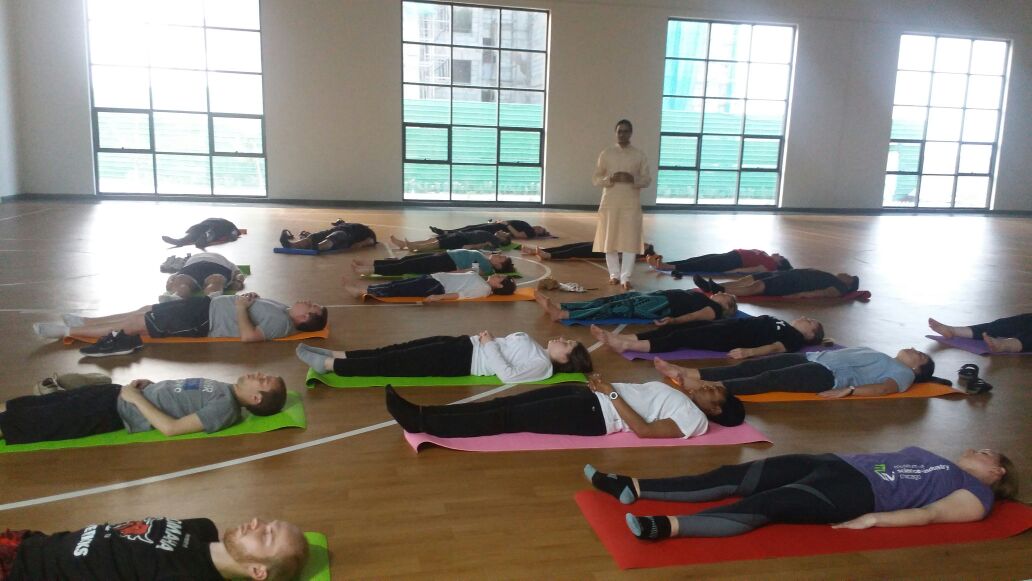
(622, 172)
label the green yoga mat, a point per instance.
(401, 276)
(292, 416)
(334, 380)
(317, 568)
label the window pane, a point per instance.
(237, 135)
(975, 158)
(129, 12)
(768, 81)
(179, 90)
(123, 130)
(184, 12)
(426, 22)
(723, 116)
(687, 78)
(980, 125)
(523, 70)
(678, 151)
(729, 42)
(951, 56)
(936, 192)
(519, 184)
(916, 53)
(988, 57)
(475, 27)
(234, 50)
(726, 79)
(687, 39)
(426, 64)
(677, 186)
(475, 107)
(758, 188)
(473, 145)
(760, 154)
(125, 173)
(425, 181)
(772, 44)
(972, 192)
(520, 147)
(717, 187)
(423, 104)
(475, 66)
(904, 157)
(474, 182)
(940, 158)
(900, 190)
(984, 92)
(426, 143)
(522, 109)
(232, 13)
(113, 43)
(181, 132)
(765, 117)
(235, 93)
(119, 87)
(908, 122)
(184, 174)
(944, 124)
(524, 30)
(948, 90)
(681, 115)
(912, 88)
(239, 176)
(720, 152)
(177, 47)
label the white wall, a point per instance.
(333, 97)
(8, 160)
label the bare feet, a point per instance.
(611, 340)
(553, 310)
(361, 266)
(1002, 345)
(528, 249)
(944, 330)
(614, 280)
(356, 292)
(683, 376)
(626, 285)
(401, 244)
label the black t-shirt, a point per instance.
(522, 226)
(478, 237)
(798, 280)
(727, 334)
(153, 548)
(684, 301)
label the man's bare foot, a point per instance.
(356, 292)
(551, 309)
(944, 330)
(598, 333)
(611, 340)
(401, 244)
(684, 376)
(1002, 345)
(528, 249)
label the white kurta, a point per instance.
(619, 213)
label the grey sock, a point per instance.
(313, 357)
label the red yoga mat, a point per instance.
(606, 516)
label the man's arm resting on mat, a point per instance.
(481, 246)
(664, 428)
(959, 506)
(704, 314)
(444, 297)
(248, 332)
(872, 389)
(824, 293)
(161, 421)
(746, 352)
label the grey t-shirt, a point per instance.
(855, 366)
(269, 316)
(212, 401)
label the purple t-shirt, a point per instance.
(914, 478)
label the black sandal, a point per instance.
(978, 386)
(967, 375)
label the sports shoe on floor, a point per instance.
(117, 343)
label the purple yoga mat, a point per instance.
(976, 346)
(682, 354)
(717, 435)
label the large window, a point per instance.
(473, 102)
(177, 97)
(946, 122)
(725, 103)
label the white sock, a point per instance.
(627, 266)
(73, 320)
(51, 330)
(613, 263)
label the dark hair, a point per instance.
(926, 371)
(855, 285)
(649, 250)
(508, 287)
(316, 322)
(818, 335)
(1007, 486)
(732, 412)
(784, 264)
(578, 361)
(502, 237)
(506, 265)
(624, 122)
(540, 231)
(272, 400)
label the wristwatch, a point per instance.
(613, 395)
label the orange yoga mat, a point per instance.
(522, 294)
(606, 516)
(926, 389)
(324, 334)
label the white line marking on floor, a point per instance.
(25, 214)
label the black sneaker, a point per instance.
(117, 343)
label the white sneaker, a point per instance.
(51, 330)
(73, 320)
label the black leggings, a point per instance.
(784, 372)
(62, 415)
(430, 356)
(574, 250)
(798, 489)
(343, 235)
(1018, 327)
(699, 335)
(570, 409)
(709, 263)
(414, 264)
(420, 286)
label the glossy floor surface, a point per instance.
(446, 514)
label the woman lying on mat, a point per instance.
(447, 261)
(206, 233)
(340, 236)
(740, 260)
(516, 228)
(512, 358)
(798, 283)
(575, 250)
(650, 410)
(911, 487)
(831, 374)
(663, 306)
(440, 286)
(741, 338)
(473, 240)
(1006, 335)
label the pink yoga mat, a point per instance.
(976, 346)
(682, 354)
(524, 441)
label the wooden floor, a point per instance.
(445, 514)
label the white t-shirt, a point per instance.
(468, 285)
(512, 358)
(653, 401)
